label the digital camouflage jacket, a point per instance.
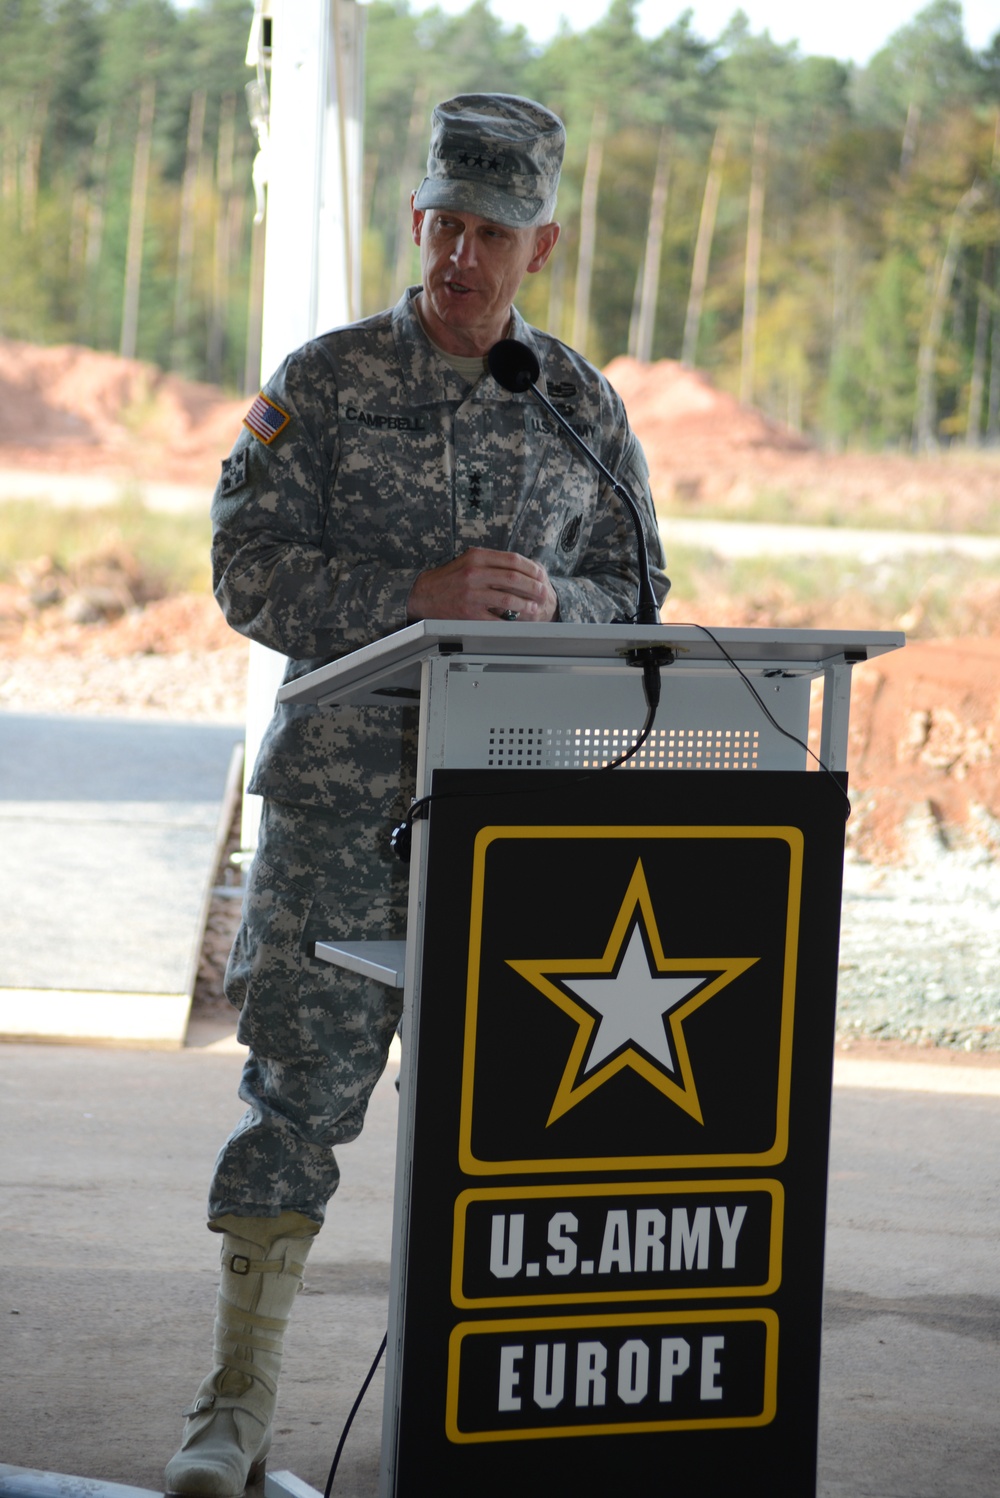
(365, 460)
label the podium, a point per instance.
(619, 1005)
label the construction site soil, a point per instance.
(925, 722)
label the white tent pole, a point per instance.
(313, 167)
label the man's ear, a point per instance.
(417, 220)
(545, 243)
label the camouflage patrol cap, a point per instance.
(494, 155)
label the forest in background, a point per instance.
(823, 240)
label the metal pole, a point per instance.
(312, 244)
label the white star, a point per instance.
(632, 1004)
(619, 1001)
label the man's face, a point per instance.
(471, 269)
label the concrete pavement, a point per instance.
(111, 830)
(109, 1279)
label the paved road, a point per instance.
(91, 490)
(729, 538)
(737, 538)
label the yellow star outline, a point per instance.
(573, 1087)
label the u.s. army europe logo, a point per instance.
(621, 1001)
(619, 1118)
(637, 985)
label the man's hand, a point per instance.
(483, 584)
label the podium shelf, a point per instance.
(383, 960)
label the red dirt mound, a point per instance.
(681, 408)
(703, 446)
(925, 736)
(69, 408)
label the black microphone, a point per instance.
(514, 366)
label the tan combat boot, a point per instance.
(228, 1431)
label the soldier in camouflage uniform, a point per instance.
(382, 476)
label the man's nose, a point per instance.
(464, 250)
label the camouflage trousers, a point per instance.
(318, 1035)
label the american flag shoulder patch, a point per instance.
(266, 420)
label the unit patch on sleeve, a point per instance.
(234, 472)
(266, 420)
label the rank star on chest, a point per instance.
(630, 1005)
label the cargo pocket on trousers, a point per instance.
(270, 963)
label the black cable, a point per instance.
(401, 838)
(354, 1410)
(651, 686)
(401, 835)
(683, 624)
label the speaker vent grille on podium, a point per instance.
(516, 747)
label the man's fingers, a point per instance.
(511, 563)
(481, 584)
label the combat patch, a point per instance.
(266, 420)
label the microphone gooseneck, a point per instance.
(514, 366)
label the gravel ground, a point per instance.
(920, 946)
(206, 687)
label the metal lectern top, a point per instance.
(388, 670)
